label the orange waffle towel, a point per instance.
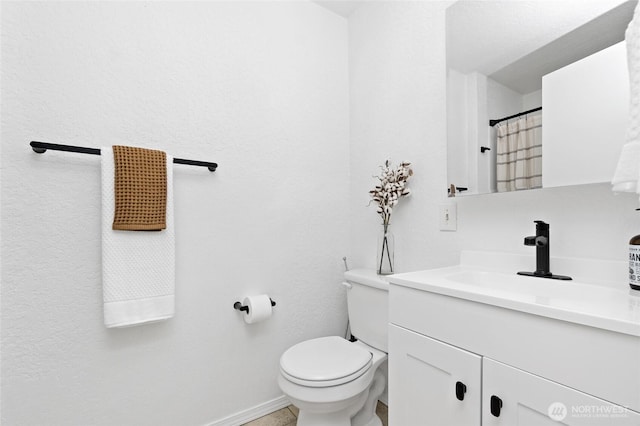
(140, 189)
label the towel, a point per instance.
(138, 268)
(140, 189)
(627, 174)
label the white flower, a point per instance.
(392, 187)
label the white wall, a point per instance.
(397, 72)
(584, 119)
(467, 112)
(480, 169)
(502, 101)
(262, 89)
(458, 172)
(532, 100)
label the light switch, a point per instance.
(448, 217)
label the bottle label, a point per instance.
(634, 265)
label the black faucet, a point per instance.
(541, 242)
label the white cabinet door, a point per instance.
(431, 383)
(512, 397)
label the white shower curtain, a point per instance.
(519, 154)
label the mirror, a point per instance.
(497, 55)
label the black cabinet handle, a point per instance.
(461, 389)
(496, 405)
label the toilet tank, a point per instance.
(368, 304)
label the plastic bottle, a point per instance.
(634, 262)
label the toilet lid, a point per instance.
(325, 359)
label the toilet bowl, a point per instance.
(335, 382)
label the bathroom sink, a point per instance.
(495, 280)
(552, 292)
(532, 286)
(612, 306)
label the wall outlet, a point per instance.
(448, 217)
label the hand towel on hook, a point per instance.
(138, 268)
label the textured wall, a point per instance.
(398, 110)
(261, 88)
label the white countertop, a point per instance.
(613, 306)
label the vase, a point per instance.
(386, 245)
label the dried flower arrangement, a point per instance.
(386, 195)
(392, 187)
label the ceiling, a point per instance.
(516, 42)
(341, 7)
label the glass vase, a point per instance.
(385, 251)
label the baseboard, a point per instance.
(253, 413)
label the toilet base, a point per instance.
(359, 411)
(367, 416)
(337, 418)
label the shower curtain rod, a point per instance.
(494, 122)
(42, 147)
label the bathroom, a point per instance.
(299, 106)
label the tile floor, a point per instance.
(288, 417)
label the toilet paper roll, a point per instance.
(259, 308)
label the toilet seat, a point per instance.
(324, 362)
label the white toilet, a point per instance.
(335, 382)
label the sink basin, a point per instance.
(492, 279)
(610, 307)
(541, 287)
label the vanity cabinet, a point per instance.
(432, 382)
(514, 368)
(524, 399)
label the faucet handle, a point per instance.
(537, 241)
(541, 227)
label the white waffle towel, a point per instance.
(138, 267)
(627, 174)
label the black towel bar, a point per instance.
(42, 147)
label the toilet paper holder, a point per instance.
(240, 307)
